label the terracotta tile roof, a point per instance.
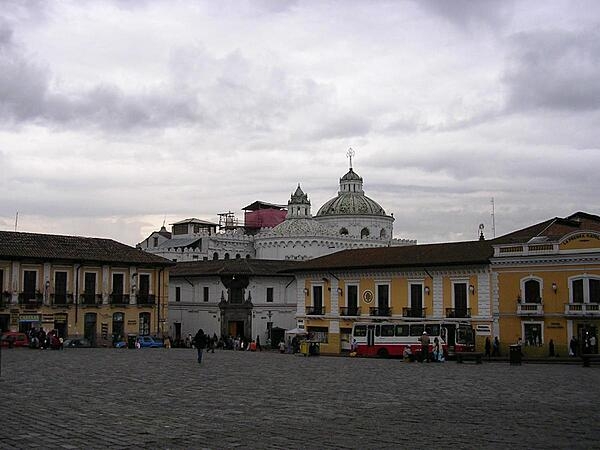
(256, 267)
(422, 255)
(552, 229)
(16, 245)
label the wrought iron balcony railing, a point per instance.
(380, 311)
(119, 299)
(315, 310)
(350, 311)
(61, 299)
(90, 299)
(458, 313)
(413, 312)
(146, 299)
(31, 299)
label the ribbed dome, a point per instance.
(351, 175)
(351, 203)
(299, 227)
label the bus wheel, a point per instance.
(383, 353)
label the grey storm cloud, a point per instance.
(554, 70)
(468, 13)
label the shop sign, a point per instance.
(132, 322)
(484, 330)
(29, 318)
(48, 318)
(60, 318)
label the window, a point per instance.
(118, 325)
(89, 283)
(60, 288)
(416, 300)
(343, 231)
(364, 233)
(144, 329)
(585, 290)
(29, 284)
(178, 294)
(360, 330)
(382, 234)
(460, 300)
(155, 242)
(532, 290)
(270, 295)
(417, 329)
(318, 334)
(238, 256)
(144, 286)
(226, 256)
(432, 329)
(1, 280)
(205, 293)
(402, 330)
(352, 299)
(181, 228)
(215, 256)
(318, 297)
(533, 333)
(383, 296)
(387, 330)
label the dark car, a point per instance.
(77, 343)
(14, 339)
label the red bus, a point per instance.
(385, 339)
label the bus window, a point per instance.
(416, 329)
(402, 330)
(360, 330)
(433, 329)
(464, 335)
(377, 330)
(387, 330)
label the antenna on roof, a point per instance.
(493, 219)
(164, 220)
(350, 154)
(16, 220)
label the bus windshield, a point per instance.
(464, 335)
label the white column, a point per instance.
(438, 296)
(105, 284)
(483, 295)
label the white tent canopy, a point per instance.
(295, 331)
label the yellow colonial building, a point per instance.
(546, 285)
(79, 286)
(539, 286)
(449, 282)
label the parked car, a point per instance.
(77, 343)
(14, 339)
(149, 342)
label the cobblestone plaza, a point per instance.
(157, 398)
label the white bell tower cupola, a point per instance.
(298, 205)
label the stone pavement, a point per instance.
(158, 398)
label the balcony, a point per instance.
(146, 299)
(380, 312)
(458, 313)
(88, 299)
(530, 309)
(350, 311)
(31, 299)
(315, 310)
(119, 299)
(413, 312)
(582, 309)
(61, 300)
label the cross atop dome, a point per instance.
(350, 153)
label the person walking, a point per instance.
(258, 347)
(488, 347)
(496, 347)
(200, 342)
(424, 346)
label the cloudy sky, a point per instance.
(117, 115)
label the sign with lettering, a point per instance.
(484, 330)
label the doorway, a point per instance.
(235, 328)
(89, 328)
(585, 332)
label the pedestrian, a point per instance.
(496, 347)
(488, 347)
(437, 357)
(258, 347)
(573, 346)
(551, 347)
(200, 342)
(424, 346)
(593, 344)
(281, 346)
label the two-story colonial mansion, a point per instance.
(80, 286)
(538, 284)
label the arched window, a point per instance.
(343, 231)
(238, 256)
(383, 233)
(532, 291)
(215, 255)
(248, 256)
(118, 326)
(144, 328)
(364, 233)
(226, 256)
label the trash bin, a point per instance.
(131, 338)
(515, 355)
(304, 348)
